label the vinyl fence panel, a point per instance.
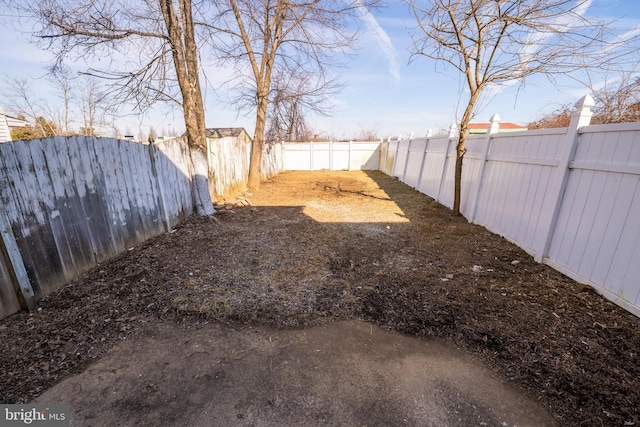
(598, 227)
(433, 166)
(518, 169)
(332, 156)
(415, 159)
(570, 197)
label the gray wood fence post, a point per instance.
(494, 127)
(24, 291)
(580, 117)
(154, 154)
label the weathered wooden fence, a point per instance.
(71, 202)
(272, 160)
(68, 203)
(570, 197)
(229, 160)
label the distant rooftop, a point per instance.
(479, 128)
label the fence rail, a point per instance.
(570, 197)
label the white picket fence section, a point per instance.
(569, 197)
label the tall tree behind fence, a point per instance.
(570, 197)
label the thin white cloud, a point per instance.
(622, 40)
(494, 89)
(383, 40)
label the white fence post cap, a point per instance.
(453, 130)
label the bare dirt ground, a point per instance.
(344, 373)
(322, 246)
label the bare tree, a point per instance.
(286, 121)
(497, 42)
(268, 38)
(560, 118)
(23, 102)
(368, 132)
(151, 55)
(95, 106)
(65, 92)
(293, 97)
(617, 101)
(80, 96)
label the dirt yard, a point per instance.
(313, 247)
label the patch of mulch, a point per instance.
(312, 247)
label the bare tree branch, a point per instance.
(494, 42)
(146, 49)
(283, 52)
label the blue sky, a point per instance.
(383, 91)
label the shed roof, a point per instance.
(224, 132)
(7, 123)
(15, 122)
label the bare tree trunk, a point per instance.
(184, 50)
(313, 31)
(258, 143)
(461, 149)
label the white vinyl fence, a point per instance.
(332, 156)
(569, 197)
